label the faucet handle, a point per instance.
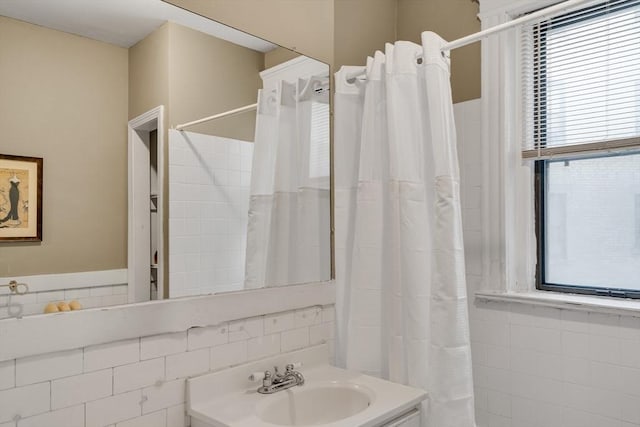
(259, 376)
(295, 365)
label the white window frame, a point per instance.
(508, 218)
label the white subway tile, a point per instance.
(498, 357)
(604, 348)
(630, 353)
(575, 344)
(31, 370)
(155, 419)
(328, 313)
(187, 364)
(492, 332)
(575, 321)
(630, 409)
(230, 354)
(499, 403)
(244, 329)
(112, 354)
(294, 339)
(321, 333)
(50, 296)
(24, 401)
(71, 294)
(113, 409)
(163, 396)
(177, 416)
(604, 324)
(307, 317)
(499, 421)
(138, 375)
(629, 328)
(208, 337)
(7, 374)
(278, 322)
(80, 388)
(606, 376)
(11, 424)
(162, 345)
(101, 291)
(576, 370)
(67, 417)
(540, 339)
(630, 381)
(260, 347)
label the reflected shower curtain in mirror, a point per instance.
(289, 215)
(402, 307)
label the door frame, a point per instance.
(138, 266)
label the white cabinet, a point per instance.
(408, 419)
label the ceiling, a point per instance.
(120, 22)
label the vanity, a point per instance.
(330, 396)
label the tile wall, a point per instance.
(537, 366)
(141, 382)
(209, 181)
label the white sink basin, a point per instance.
(330, 397)
(317, 404)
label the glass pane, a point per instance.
(593, 222)
(593, 79)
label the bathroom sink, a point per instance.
(321, 403)
(329, 397)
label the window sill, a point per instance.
(619, 306)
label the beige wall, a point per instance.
(305, 26)
(278, 56)
(361, 28)
(149, 72)
(64, 98)
(451, 19)
(209, 76)
(343, 32)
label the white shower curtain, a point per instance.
(402, 305)
(288, 238)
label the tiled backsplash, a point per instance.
(141, 382)
(209, 179)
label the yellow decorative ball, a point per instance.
(75, 305)
(63, 306)
(51, 308)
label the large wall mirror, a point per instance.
(201, 205)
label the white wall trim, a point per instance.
(507, 203)
(54, 282)
(46, 333)
(146, 122)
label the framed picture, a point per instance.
(20, 199)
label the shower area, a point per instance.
(251, 213)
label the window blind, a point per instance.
(581, 82)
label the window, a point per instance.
(581, 84)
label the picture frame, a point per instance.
(20, 198)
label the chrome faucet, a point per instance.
(272, 383)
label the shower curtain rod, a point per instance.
(229, 113)
(548, 12)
